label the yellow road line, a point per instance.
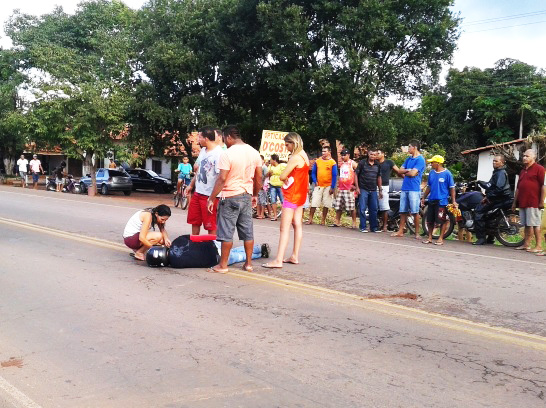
(63, 234)
(427, 248)
(400, 311)
(375, 305)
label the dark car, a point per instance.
(149, 180)
(109, 180)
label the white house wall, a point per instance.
(165, 166)
(485, 162)
(485, 165)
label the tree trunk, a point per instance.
(333, 148)
(89, 166)
(9, 163)
(521, 125)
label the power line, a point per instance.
(500, 28)
(509, 17)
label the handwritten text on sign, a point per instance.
(273, 143)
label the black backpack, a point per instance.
(188, 254)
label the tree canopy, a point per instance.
(82, 66)
(12, 135)
(480, 107)
(321, 68)
(326, 69)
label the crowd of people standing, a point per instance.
(232, 179)
(224, 193)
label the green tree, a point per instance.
(336, 61)
(320, 68)
(86, 66)
(12, 118)
(481, 107)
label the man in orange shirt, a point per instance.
(237, 185)
(324, 175)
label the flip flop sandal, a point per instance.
(266, 265)
(439, 243)
(427, 241)
(212, 270)
(248, 268)
(132, 255)
(521, 249)
(290, 262)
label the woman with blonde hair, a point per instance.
(296, 183)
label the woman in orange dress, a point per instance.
(296, 183)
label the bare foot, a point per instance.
(248, 268)
(397, 235)
(291, 260)
(309, 222)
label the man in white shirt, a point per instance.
(35, 169)
(22, 164)
(206, 173)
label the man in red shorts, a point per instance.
(204, 180)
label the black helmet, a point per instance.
(157, 256)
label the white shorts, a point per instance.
(530, 217)
(384, 202)
(322, 197)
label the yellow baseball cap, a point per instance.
(437, 158)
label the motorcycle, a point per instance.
(393, 220)
(71, 185)
(51, 185)
(500, 222)
(460, 191)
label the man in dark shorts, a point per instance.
(237, 186)
(440, 185)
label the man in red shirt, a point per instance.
(529, 197)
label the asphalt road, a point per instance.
(83, 325)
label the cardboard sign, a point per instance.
(273, 143)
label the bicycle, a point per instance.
(179, 198)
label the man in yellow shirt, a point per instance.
(275, 183)
(324, 175)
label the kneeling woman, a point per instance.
(138, 234)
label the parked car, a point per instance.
(109, 180)
(149, 180)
